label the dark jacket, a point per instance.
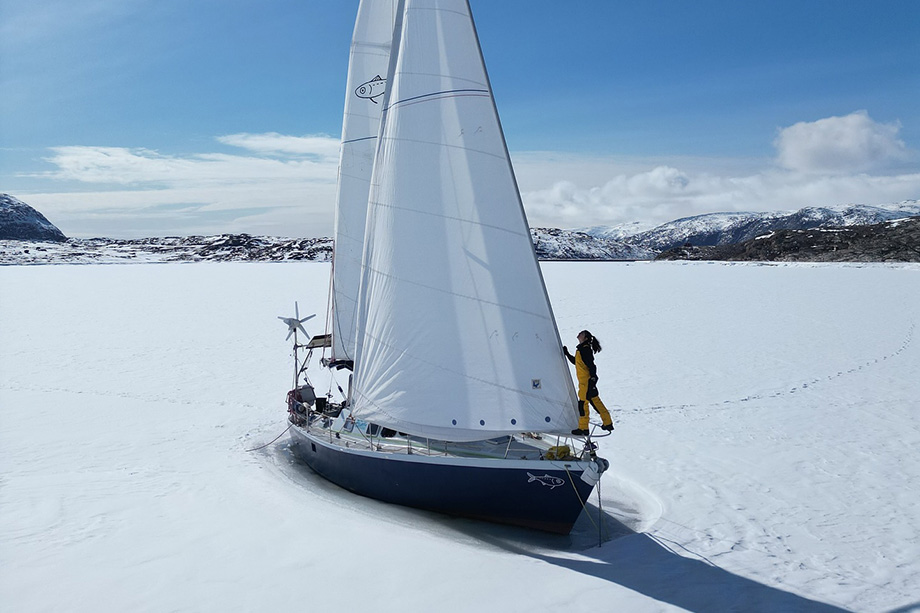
(585, 370)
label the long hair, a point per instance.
(595, 344)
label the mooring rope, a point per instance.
(273, 440)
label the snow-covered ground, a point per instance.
(765, 457)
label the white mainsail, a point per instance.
(367, 71)
(456, 338)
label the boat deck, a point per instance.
(523, 446)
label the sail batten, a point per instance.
(455, 334)
(358, 140)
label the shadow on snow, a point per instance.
(634, 560)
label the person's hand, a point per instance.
(565, 350)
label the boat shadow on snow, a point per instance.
(639, 562)
(608, 547)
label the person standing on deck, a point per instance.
(586, 372)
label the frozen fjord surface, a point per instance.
(765, 454)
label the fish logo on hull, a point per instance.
(547, 480)
(372, 90)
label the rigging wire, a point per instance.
(600, 515)
(577, 495)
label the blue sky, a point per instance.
(161, 117)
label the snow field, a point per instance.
(765, 457)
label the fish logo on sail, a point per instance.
(547, 480)
(372, 90)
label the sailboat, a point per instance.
(459, 399)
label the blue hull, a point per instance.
(544, 495)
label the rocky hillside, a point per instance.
(556, 244)
(852, 233)
(892, 241)
(730, 228)
(221, 248)
(551, 244)
(19, 221)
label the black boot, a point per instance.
(607, 427)
(580, 432)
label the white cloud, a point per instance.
(283, 157)
(286, 189)
(822, 163)
(285, 185)
(853, 143)
(287, 209)
(663, 193)
(322, 147)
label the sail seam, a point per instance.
(352, 239)
(348, 297)
(449, 293)
(439, 9)
(451, 218)
(406, 354)
(444, 145)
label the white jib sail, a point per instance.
(367, 71)
(456, 337)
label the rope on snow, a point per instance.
(271, 441)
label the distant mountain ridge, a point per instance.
(890, 241)
(556, 244)
(26, 237)
(219, 248)
(551, 244)
(730, 228)
(19, 221)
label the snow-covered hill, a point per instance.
(633, 241)
(764, 458)
(729, 228)
(890, 241)
(620, 232)
(220, 248)
(556, 244)
(19, 221)
(551, 244)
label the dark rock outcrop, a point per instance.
(892, 241)
(729, 228)
(19, 221)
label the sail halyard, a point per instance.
(369, 59)
(456, 337)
